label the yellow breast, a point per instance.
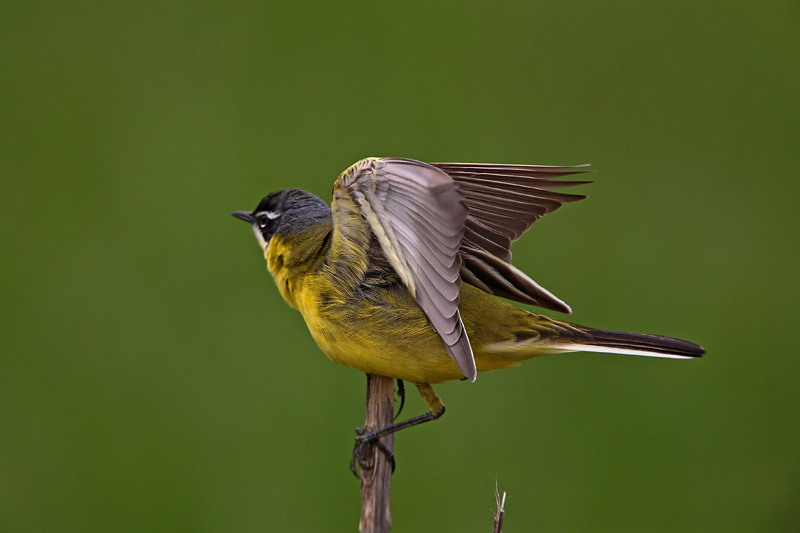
(383, 331)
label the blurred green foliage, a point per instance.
(153, 380)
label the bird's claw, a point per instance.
(362, 445)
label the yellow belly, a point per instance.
(393, 338)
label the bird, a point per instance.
(408, 272)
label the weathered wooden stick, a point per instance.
(376, 471)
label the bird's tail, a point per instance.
(598, 340)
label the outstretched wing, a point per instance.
(503, 202)
(417, 214)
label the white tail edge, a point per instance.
(608, 349)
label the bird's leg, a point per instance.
(433, 401)
(364, 439)
(401, 393)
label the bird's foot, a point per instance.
(362, 450)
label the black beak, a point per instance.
(244, 215)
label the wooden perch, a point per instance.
(376, 470)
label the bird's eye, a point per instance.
(262, 220)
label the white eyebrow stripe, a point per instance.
(272, 215)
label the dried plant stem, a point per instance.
(376, 471)
(500, 513)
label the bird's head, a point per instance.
(285, 212)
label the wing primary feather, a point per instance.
(529, 212)
(500, 286)
(468, 277)
(482, 167)
(508, 225)
(517, 180)
(489, 189)
(477, 240)
(507, 281)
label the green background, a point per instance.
(153, 380)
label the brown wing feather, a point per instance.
(503, 202)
